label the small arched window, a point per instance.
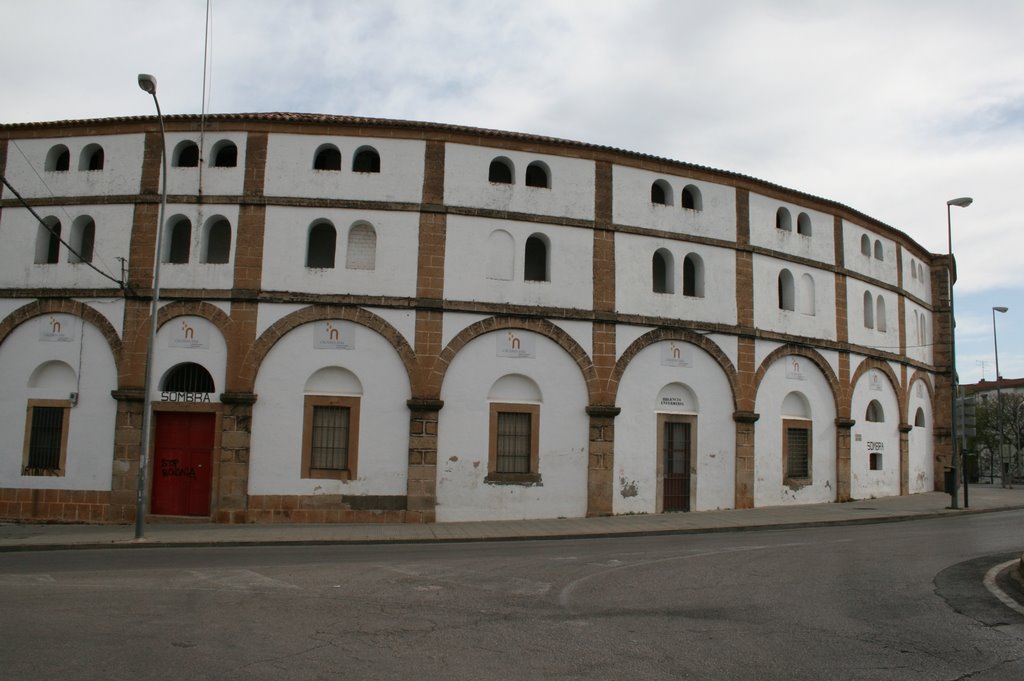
(693, 276)
(186, 155)
(783, 220)
(366, 160)
(500, 171)
(874, 412)
(181, 242)
(879, 255)
(188, 377)
(692, 199)
(91, 158)
(869, 311)
(786, 293)
(500, 256)
(865, 245)
(536, 259)
(923, 332)
(880, 313)
(662, 272)
(361, 253)
(807, 295)
(327, 157)
(913, 269)
(537, 175)
(83, 238)
(919, 418)
(803, 224)
(321, 245)
(58, 159)
(661, 193)
(48, 242)
(217, 246)
(225, 154)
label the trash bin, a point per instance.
(950, 480)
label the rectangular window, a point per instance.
(875, 461)
(46, 437)
(514, 443)
(330, 437)
(796, 452)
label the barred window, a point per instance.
(514, 456)
(330, 439)
(188, 377)
(329, 448)
(796, 452)
(46, 437)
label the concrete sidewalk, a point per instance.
(33, 536)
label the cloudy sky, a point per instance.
(891, 107)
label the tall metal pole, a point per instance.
(999, 397)
(148, 84)
(962, 202)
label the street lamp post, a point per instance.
(1004, 470)
(148, 84)
(956, 462)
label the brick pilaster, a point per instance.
(942, 408)
(125, 475)
(601, 466)
(421, 495)
(255, 163)
(231, 499)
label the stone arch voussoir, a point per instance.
(842, 407)
(870, 363)
(38, 308)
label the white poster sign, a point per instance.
(675, 354)
(334, 334)
(190, 333)
(57, 328)
(516, 344)
(794, 371)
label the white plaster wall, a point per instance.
(626, 335)
(290, 169)
(404, 321)
(729, 345)
(634, 283)
(865, 483)
(570, 256)
(121, 173)
(90, 445)
(768, 315)
(276, 455)
(883, 270)
(454, 322)
(636, 453)
(632, 205)
(270, 313)
(581, 332)
(571, 192)
(820, 245)
(919, 349)
(779, 380)
(463, 438)
(213, 358)
(857, 332)
(196, 274)
(215, 181)
(112, 310)
(18, 233)
(921, 461)
(921, 287)
(284, 252)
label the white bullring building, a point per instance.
(375, 320)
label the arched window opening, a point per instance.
(361, 253)
(874, 413)
(188, 377)
(328, 157)
(783, 220)
(91, 158)
(865, 245)
(186, 155)
(58, 159)
(923, 333)
(803, 224)
(692, 199)
(366, 160)
(181, 242)
(83, 237)
(919, 418)
(693, 276)
(218, 242)
(48, 242)
(321, 246)
(500, 171)
(225, 155)
(869, 311)
(500, 256)
(661, 193)
(913, 269)
(536, 259)
(786, 293)
(537, 175)
(880, 313)
(878, 251)
(807, 295)
(661, 272)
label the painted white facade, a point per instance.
(206, 178)
(921, 467)
(880, 260)
(27, 167)
(881, 438)
(631, 204)
(814, 306)
(818, 243)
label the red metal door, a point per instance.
(182, 463)
(676, 466)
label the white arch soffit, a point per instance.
(677, 398)
(795, 405)
(515, 388)
(333, 380)
(53, 374)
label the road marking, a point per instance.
(239, 580)
(990, 584)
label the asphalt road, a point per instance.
(890, 601)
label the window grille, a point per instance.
(798, 461)
(189, 378)
(513, 442)
(329, 446)
(45, 438)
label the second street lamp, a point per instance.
(1004, 469)
(955, 462)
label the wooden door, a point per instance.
(182, 469)
(676, 466)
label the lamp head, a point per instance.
(962, 202)
(1001, 309)
(147, 83)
